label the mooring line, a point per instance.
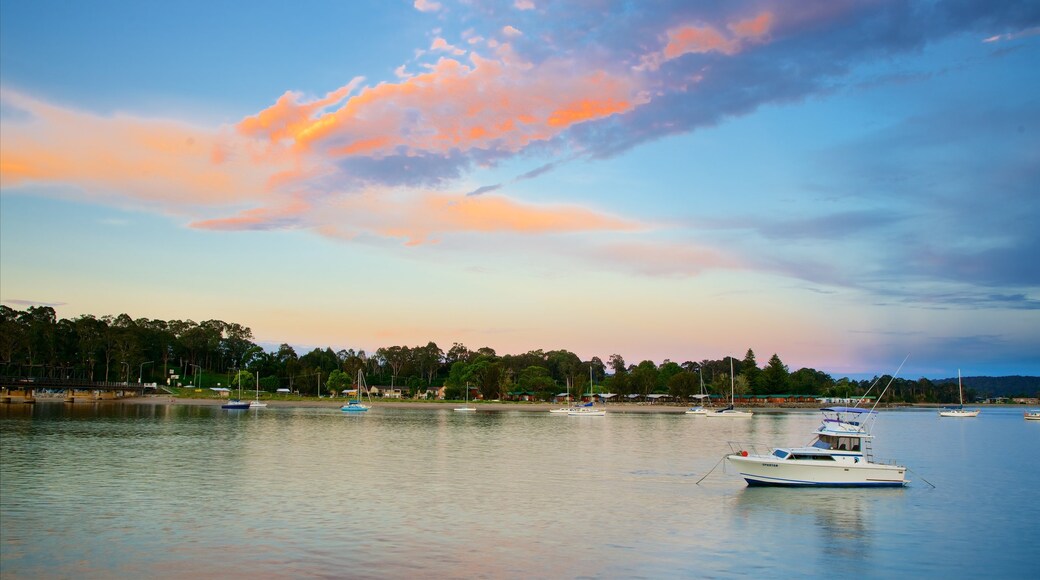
(922, 478)
(712, 469)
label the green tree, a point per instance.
(683, 384)
(750, 371)
(666, 371)
(338, 381)
(775, 377)
(644, 378)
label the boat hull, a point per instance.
(774, 472)
(959, 413)
(235, 405)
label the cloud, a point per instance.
(21, 302)
(1014, 35)
(524, 5)
(424, 217)
(151, 162)
(484, 189)
(427, 5)
(511, 32)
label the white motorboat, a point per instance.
(696, 411)
(960, 411)
(840, 456)
(730, 412)
(1033, 415)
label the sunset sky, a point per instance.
(839, 183)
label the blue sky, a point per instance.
(837, 183)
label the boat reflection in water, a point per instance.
(844, 518)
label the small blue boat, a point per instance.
(354, 407)
(235, 404)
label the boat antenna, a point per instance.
(890, 381)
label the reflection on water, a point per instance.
(114, 490)
(841, 519)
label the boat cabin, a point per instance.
(837, 443)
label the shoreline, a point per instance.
(496, 406)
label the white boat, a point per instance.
(699, 409)
(257, 403)
(588, 409)
(730, 412)
(960, 411)
(840, 456)
(1033, 415)
(356, 406)
(564, 410)
(466, 408)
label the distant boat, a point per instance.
(1033, 415)
(356, 406)
(730, 412)
(699, 409)
(565, 410)
(236, 403)
(466, 408)
(960, 411)
(257, 403)
(588, 409)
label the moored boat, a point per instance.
(355, 405)
(839, 456)
(1033, 415)
(960, 411)
(730, 412)
(235, 404)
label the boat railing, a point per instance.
(740, 447)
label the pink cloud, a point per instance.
(427, 5)
(524, 5)
(151, 161)
(423, 217)
(705, 38)
(493, 104)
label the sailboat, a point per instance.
(588, 409)
(466, 408)
(355, 405)
(257, 403)
(730, 411)
(699, 409)
(565, 410)
(236, 403)
(960, 411)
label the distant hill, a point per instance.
(1012, 386)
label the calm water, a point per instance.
(112, 490)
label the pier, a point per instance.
(29, 389)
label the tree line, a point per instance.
(35, 343)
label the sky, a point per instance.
(842, 184)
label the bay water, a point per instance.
(115, 490)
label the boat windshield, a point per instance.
(838, 443)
